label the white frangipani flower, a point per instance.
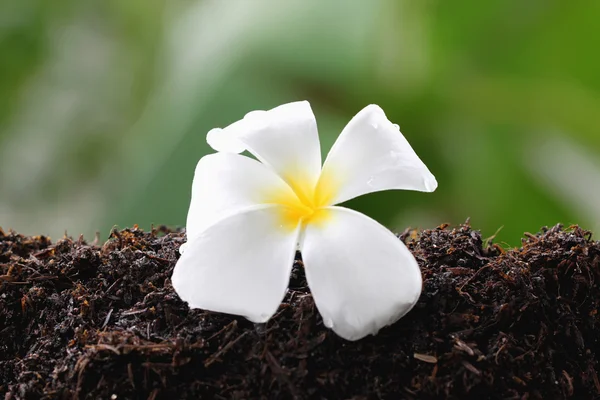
(247, 219)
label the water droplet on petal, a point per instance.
(394, 154)
(328, 322)
(182, 248)
(430, 183)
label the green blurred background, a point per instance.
(105, 105)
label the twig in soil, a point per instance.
(223, 350)
(107, 319)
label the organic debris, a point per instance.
(85, 322)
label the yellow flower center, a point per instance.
(306, 204)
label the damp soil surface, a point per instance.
(83, 321)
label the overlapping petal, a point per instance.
(362, 277)
(240, 265)
(225, 183)
(371, 155)
(284, 138)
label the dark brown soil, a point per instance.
(87, 322)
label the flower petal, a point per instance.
(240, 265)
(284, 138)
(371, 155)
(226, 140)
(362, 277)
(226, 183)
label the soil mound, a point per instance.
(83, 321)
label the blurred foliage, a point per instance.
(104, 105)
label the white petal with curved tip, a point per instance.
(225, 183)
(240, 265)
(362, 277)
(285, 138)
(226, 140)
(371, 155)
